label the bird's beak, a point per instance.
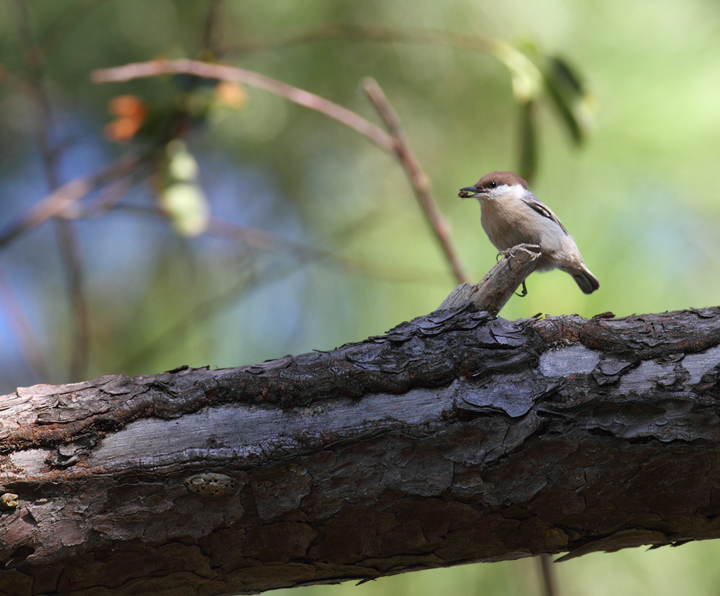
(468, 192)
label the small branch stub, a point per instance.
(498, 286)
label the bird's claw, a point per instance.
(524, 291)
(505, 254)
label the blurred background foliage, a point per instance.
(265, 228)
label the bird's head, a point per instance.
(495, 185)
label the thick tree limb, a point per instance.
(454, 438)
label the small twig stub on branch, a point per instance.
(496, 288)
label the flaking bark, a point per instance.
(455, 437)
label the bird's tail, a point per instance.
(587, 281)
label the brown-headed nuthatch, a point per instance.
(512, 215)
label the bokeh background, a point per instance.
(326, 242)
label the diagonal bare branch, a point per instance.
(66, 195)
(418, 179)
(257, 239)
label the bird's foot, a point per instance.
(505, 254)
(509, 252)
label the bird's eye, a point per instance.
(493, 184)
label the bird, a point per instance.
(512, 215)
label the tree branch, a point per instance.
(418, 179)
(68, 245)
(67, 195)
(358, 32)
(254, 79)
(453, 438)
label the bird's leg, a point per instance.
(524, 291)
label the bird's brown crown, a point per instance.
(498, 178)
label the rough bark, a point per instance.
(453, 438)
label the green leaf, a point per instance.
(569, 95)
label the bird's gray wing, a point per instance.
(534, 203)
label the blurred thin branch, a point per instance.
(67, 240)
(418, 179)
(63, 197)
(210, 41)
(70, 254)
(526, 76)
(20, 326)
(549, 577)
(107, 198)
(230, 73)
(265, 241)
(34, 63)
(356, 32)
